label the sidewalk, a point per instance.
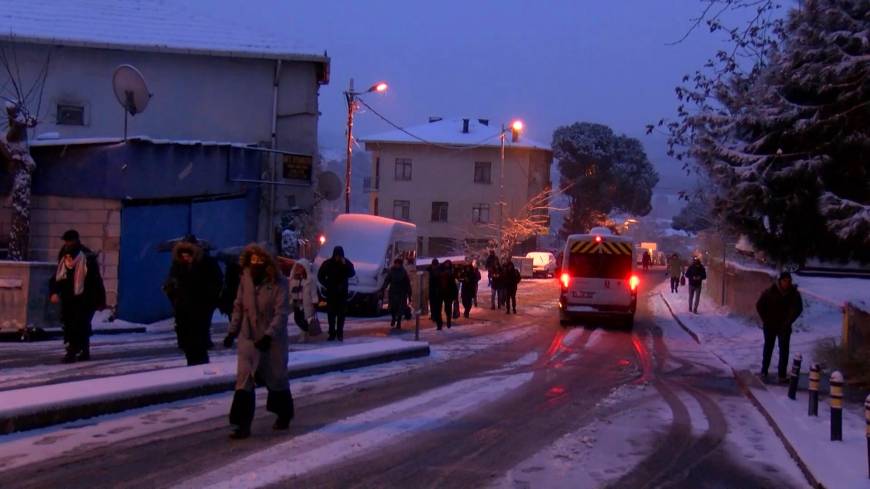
(34, 407)
(738, 343)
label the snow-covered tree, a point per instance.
(695, 216)
(603, 173)
(786, 138)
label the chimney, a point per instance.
(465, 126)
(485, 122)
(434, 118)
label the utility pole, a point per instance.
(349, 96)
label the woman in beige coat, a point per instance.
(303, 296)
(259, 321)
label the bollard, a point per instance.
(795, 376)
(419, 308)
(867, 418)
(836, 406)
(815, 376)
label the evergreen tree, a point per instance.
(603, 173)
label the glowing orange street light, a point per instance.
(517, 125)
(379, 87)
(322, 240)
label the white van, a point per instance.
(598, 277)
(371, 243)
(543, 263)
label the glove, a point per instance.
(228, 340)
(263, 343)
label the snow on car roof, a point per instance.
(449, 132)
(142, 25)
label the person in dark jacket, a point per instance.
(435, 300)
(495, 284)
(491, 263)
(399, 292)
(193, 287)
(695, 274)
(779, 306)
(78, 287)
(449, 289)
(333, 275)
(469, 278)
(259, 322)
(511, 279)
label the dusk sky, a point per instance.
(548, 63)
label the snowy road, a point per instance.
(505, 401)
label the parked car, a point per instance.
(371, 243)
(543, 263)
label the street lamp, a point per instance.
(515, 129)
(350, 96)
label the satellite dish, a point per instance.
(131, 91)
(329, 185)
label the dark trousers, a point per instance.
(510, 298)
(192, 330)
(336, 310)
(397, 312)
(467, 301)
(244, 404)
(675, 284)
(448, 310)
(770, 337)
(694, 297)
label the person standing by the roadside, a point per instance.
(78, 287)
(334, 274)
(193, 287)
(695, 274)
(675, 272)
(511, 279)
(469, 278)
(646, 259)
(259, 322)
(303, 297)
(449, 289)
(779, 306)
(399, 292)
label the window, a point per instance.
(439, 211)
(402, 210)
(480, 214)
(482, 172)
(70, 115)
(403, 169)
(594, 265)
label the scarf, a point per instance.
(80, 270)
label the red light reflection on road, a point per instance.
(623, 362)
(555, 391)
(645, 359)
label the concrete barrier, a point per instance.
(24, 296)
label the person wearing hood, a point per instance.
(78, 287)
(469, 279)
(193, 287)
(779, 306)
(303, 296)
(399, 292)
(333, 275)
(510, 281)
(259, 322)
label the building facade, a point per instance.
(450, 183)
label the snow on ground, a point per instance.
(737, 340)
(837, 290)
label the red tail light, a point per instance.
(633, 282)
(565, 279)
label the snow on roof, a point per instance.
(137, 139)
(449, 132)
(141, 25)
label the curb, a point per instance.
(89, 409)
(747, 392)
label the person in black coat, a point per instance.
(695, 274)
(469, 279)
(495, 284)
(194, 288)
(449, 289)
(510, 281)
(78, 287)
(779, 306)
(333, 275)
(490, 264)
(399, 292)
(435, 300)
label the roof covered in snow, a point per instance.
(142, 25)
(449, 132)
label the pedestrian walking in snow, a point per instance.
(449, 290)
(779, 306)
(646, 259)
(675, 272)
(78, 287)
(334, 274)
(469, 279)
(303, 298)
(511, 279)
(695, 274)
(399, 293)
(193, 287)
(259, 322)
(495, 284)
(435, 300)
(490, 264)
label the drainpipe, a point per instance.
(272, 191)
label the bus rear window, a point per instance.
(599, 265)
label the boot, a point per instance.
(280, 403)
(242, 414)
